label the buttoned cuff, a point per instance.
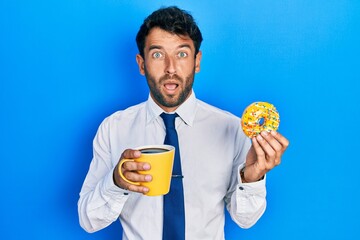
(253, 187)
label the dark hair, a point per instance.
(172, 20)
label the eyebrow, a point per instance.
(185, 46)
(155, 47)
(160, 47)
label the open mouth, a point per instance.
(170, 87)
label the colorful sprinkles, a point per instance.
(258, 117)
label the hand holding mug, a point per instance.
(130, 171)
(146, 170)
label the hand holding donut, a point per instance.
(260, 122)
(264, 154)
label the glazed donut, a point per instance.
(258, 117)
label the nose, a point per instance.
(170, 66)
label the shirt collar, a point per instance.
(186, 110)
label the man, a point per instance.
(220, 165)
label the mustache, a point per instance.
(170, 77)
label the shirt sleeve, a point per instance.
(246, 202)
(101, 201)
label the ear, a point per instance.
(141, 63)
(197, 61)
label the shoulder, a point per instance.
(126, 115)
(214, 117)
(220, 121)
(212, 111)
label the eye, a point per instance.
(182, 54)
(157, 55)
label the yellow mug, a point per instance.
(161, 160)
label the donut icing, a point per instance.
(258, 117)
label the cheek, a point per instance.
(186, 66)
(155, 68)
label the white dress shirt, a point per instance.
(213, 149)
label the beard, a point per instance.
(168, 100)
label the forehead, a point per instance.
(166, 40)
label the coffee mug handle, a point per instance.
(121, 174)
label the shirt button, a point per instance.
(241, 188)
(125, 193)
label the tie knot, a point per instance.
(169, 119)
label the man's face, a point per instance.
(169, 66)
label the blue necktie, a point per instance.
(174, 212)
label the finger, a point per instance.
(130, 171)
(133, 166)
(272, 141)
(120, 181)
(131, 154)
(136, 166)
(275, 145)
(257, 168)
(136, 177)
(281, 139)
(139, 189)
(260, 154)
(270, 153)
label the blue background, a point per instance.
(66, 65)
